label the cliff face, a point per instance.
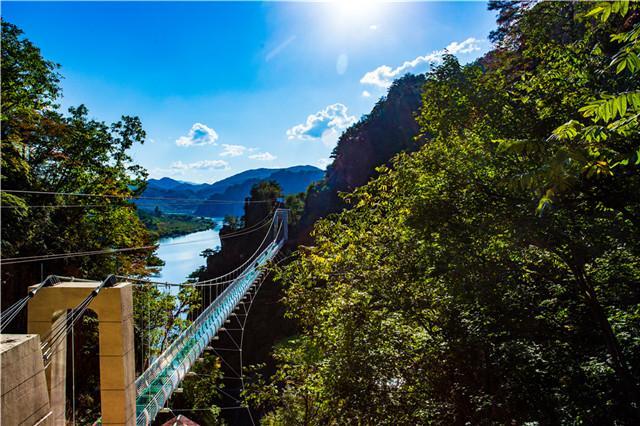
(389, 129)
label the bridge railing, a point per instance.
(155, 386)
(157, 390)
(163, 360)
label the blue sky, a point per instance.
(224, 87)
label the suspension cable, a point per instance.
(52, 338)
(57, 256)
(262, 222)
(73, 376)
(250, 258)
(208, 282)
(60, 206)
(14, 310)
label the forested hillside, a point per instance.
(492, 276)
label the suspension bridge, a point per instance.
(55, 306)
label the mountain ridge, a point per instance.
(174, 196)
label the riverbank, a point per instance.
(166, 225)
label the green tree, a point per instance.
(448, 292)
(48, 154)
(201, 390)
(295, 204)
(46, 151)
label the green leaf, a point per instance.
(622, 101)
(595, 11)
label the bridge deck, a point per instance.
(155, 386)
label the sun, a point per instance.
(354, 12)
(351, 7)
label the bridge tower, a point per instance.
(114, 309)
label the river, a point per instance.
(181, 255)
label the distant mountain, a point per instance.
(291, 180)
(170, 194)
(166, 183)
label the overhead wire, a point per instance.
(59, 206)
(216, 280)
(57, 256)
(134, 197)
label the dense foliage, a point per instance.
(54, 154)
(493, 276)
(46, 157)
(202, 389)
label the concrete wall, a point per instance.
(114, 308)
(25, 399)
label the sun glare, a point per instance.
(355, 20)
(356, 11)
(351, 7)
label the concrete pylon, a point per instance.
(114, 308)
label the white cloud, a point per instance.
(469, 45)
(265, 156)
(200, 165)
(366, 94)
(199, 134)
(324, 162)
(333, 119)
(373, 27)
(232, 150)
(384, 75)
(330, 138)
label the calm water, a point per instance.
(183, 258)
